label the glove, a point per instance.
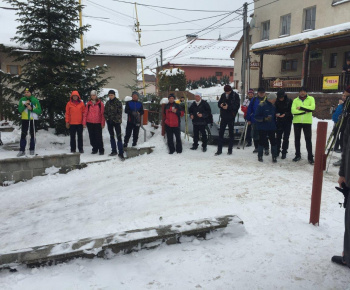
(345, 191)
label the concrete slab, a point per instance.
(124, 242)
(134, 151)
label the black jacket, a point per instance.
(233, 104)
(284, 107)
(203, 108)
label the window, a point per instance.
(289, 65)
(265, 30)
(250, 39)
(218, 74)
(231, 73)
(333, 60)
(14, 69)
(285, 24)
(309, 18)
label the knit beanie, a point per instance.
(111, 92)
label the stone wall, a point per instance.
(21, 169)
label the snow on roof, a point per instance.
(302, 36)
(114, 40)
(203, 52)
(172, 72)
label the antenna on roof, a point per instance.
(220, 36)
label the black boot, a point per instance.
(274, 159)
(296, 158)
(194, 147)
(284, 155)
(260, 159)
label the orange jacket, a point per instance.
(75, 110)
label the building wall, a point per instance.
(151, 89)
(326, 15)
(194, 73)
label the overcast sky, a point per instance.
(151, 18)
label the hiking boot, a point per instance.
(73, 151)
(267, 152)
(248, 145)
(229, 152)
(274, 159)
(218, 153)
(296, 158)
(194, 147)
(339, 260)
(121, 157)
(171, 152)
(20, 153)
(255, 150)
(337, 163)
(204, 149)
(260, 159)
(81, 151)
(31, 152)
(311, 160)
(113, 153)
(284, 156)
(102, 153)
(133, 145)
(94, 152)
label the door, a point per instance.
(315, 67)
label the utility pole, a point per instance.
(138, 30)
(161, 59)
(81, 25)
(244, 51)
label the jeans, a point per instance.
(196, 130)
(131, 128)
(283, 131)
(170, 132)
(112, 126)
(23, 142)
(264, 136)
(95, 135)
(307, 134)
(223, 124)
(76, 130)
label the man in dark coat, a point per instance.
(199, 112)
(344, 178)
(265, 117)
(173, 112)
(134, 110)
(229, 104)
(284, 122)
(346, 70)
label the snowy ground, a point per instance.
(279, 251)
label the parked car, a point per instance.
(213, 130)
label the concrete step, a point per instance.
(124, 242)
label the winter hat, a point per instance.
(171, 95)
(281, 94)
(135, 93)
(227, 88)
(347, 89)
(250, 91)
(261, 90)
(28, 90)
(93, 93)
(198, 94)
(111, 92)
(271, 96)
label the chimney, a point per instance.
(191, 37)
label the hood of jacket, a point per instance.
(75, 93)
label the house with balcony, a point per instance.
(297, 43)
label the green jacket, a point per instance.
(113, 110)
(36, 108)
(304, 115)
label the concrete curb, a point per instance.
(133, 151)
(124, 242)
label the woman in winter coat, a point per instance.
(74, 121)
(94, 120)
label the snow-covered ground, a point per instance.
(280, 249)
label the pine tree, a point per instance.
(52, 67)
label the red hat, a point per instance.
(227, 88)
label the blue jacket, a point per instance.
(134, 109)
(265, 116)
(337, 113)
(253, 106)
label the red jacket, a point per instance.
(75, 110)
(173, 119)
(94, 113)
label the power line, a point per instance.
(109, 9)
(185, 29)
(171, 8)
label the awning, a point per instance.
(332, 36)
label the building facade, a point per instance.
(297, 43)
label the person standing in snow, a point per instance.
(199, 111)
(30, 108)
(173, 112)
(302, 108)
(74, 121)
(134, 110)
(265, 117)
(284, 122)
(346, 71)
(253, 106)
(344, 182)
(229, 104)
(94, 120)
(244, 109)
(113, 115)
(335, 118)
